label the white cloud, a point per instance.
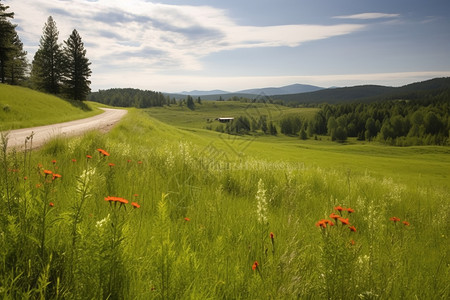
(368, 16)
(175, 36)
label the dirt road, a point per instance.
(103, 121)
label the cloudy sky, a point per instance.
(175, 46)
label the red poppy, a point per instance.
(255, 265)
(352, 228)
(394, 219)
(51, 204)
(135, 205)
(335, 216)
(350, 210)
(271, 236)
(344, 221)
(187, 219)
(339, 208)
(406, 223)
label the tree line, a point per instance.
(394, 122)
(58, 69)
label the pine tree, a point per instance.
(77, 71)
(47, 66)
(7, 30)
(17, 64)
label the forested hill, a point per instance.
(369, 93)
(129, 98)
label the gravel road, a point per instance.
(103, 122)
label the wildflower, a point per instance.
(74, 160)
(335, 216)
(261, 208)
(394, 219)
(48, 172)
(344, 221)
(111, 165)
(187, 219)
(103, 152)
(122, 201)
(352, 242)
(88, 156)
(350, 210)
(55, 176)
(321, 223)
(38, 185)
(328, 222)
(140, 162)
(271, 236)
(406, 223)
(128, 161)
(135, 195)
(54, 161)
(135, 205)
(339, 208)
(255, 265)
(25, 178)
(352, 228)
(51, 204)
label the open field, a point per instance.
(21, 108)
(176, 212)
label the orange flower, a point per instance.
(51, 204)
(352, 242)
(394, 219)
(135, 195)
(103, 152)
(55, 176)
(74, 160)
(344, 221)
(122, 201)
(335, 216)
(350, 210)
(111, 164)
(135, 205)
(322, 224)
(187, 219)
(48, 172)
(88, 156)
(54, 161)
(339, 208)
(328, 222)
(406, 223)
(271, 236)
(128, 161)
(110, 199)
(25, 178)
(140, 162)
(352, 228)
(255, 265)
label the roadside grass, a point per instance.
(22, 107)
(205, 219)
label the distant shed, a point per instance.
(225, 120)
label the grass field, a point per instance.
(175, 211)
(22, 107)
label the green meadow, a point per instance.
(165, 207)
(22, 107)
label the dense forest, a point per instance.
(130, 98)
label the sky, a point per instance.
(174, 46)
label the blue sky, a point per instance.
(175, 46)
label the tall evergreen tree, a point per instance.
(17, 63)
(47, 65)
(7, 30)
(76, 70)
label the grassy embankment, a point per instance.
(208, 205)
(22, 107)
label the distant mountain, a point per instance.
(370, 93)
(284, 90)
(203, 93)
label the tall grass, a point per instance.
(200, 227)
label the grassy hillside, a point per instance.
(175, 211)
(22, 107)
